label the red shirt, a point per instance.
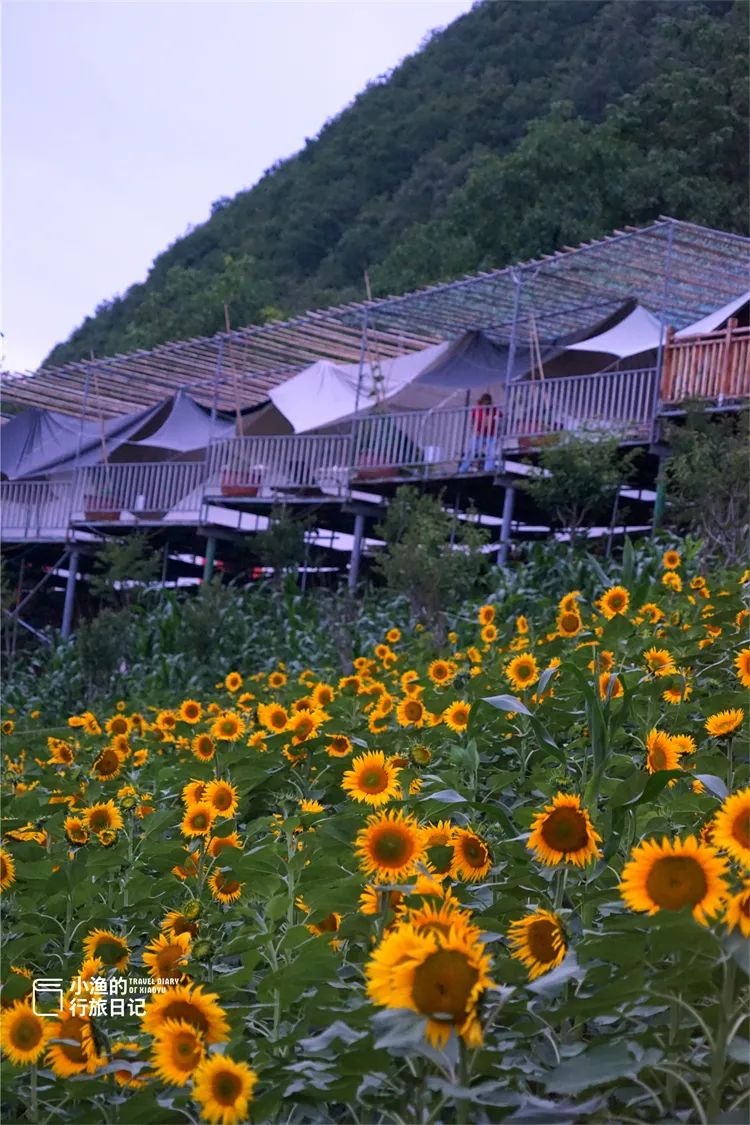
(484, 419)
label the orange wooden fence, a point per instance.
(713, 366)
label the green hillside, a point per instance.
(521, 127)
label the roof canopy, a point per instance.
(678, 271)
(718, 318)
(38, 442)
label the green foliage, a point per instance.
(578, 478)
(282, 545)
(521, 127)
(430, 557)
(123, 569)
(707, 481)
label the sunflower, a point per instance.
(339, 746)
(732, 827)
(569, 602)
(488, 633)
(672, 580)
(390, 846)
(276, 680)
(522, 671)
(472, 858)
(7, 870)
(441, 672)
(486, 614)
(662, 752)
(670, 560)
(411, 712)
(677, 694)
(111, 950)
(178, 1049)
(684, 743)
(165, 956)
(724, 722)
(738, 911)
(108, 764)
(23, 1034)
(61, 752)
(610, 686)
(440, 976)
(217, 844)
(193, 792)
(204, 747)
(198, 820)
(456, 716)
(72, 1048)
(372, 779)
(569, 623)
(273, 717)
(322, 695)
(190, 711)
(652, 611)
(659, 662)
(538, 941)
(224, 888)
(224, 1089)
(613, 601)
(438, 845)
(104, 815)
(562, 832)
(190, 1003)
(674, 874)
(442, 916)
(118, 724)
(228, 727)
(222, 797)
(166, 721)
(233, 682)
(179, 922)
(8, 726)
(75, 830)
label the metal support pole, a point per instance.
(661, 496)
(502, 551)
(208, 562)
(359, 527)
(70, 593)
(662, 333)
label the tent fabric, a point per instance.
(44, 442)
(717, 319)
(638, 332)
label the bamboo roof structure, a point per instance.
(678, 270)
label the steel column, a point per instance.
(208, 562)
(70, 591)
(508, 499)
(661, 496)
(359, 527)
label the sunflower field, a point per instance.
(505, 880)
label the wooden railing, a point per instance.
(715, 366)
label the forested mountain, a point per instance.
(523, 126)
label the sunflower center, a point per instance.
(474, 852)
(443, 984)
(200, 820)
(569, 623)
(3, 869)
(565, 830)
(392, 848)
(658, 758)
(226, 886)
(676, 881)
(168, 958)
(110, 952)
(107, 762)
(187, 1052)
(413, 711)
(541, 940)
(226, 1087)
(329, 925)
(741, 828)
(26, 1033)
(222, 799)
(184, 1010)
(278, 721)
(373, 780)
(99, 819)
(72, 1029)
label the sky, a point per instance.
(123, 120)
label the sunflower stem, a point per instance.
(719, 1056)
(462, 1104)
(33, 1106)
(562, 878)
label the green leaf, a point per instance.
(506, 703)
(602, 1063)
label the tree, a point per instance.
(430, 556)
(124, 569)
(578, 478)
(707, 481)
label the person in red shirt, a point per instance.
(484, 425)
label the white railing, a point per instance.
(268, 466)
(380, 447)
(151, 492)
(32, 509)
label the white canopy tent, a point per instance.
(638, 332)
(717, 319)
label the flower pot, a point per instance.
(240, 483)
